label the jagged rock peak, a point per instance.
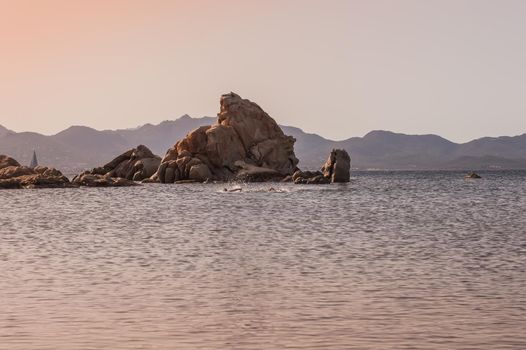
(245, 142)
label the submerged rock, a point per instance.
(13, 175)
(473, 175)
(135, 164)
(246, 143)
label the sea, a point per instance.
(391, 260)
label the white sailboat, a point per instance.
(34, 161)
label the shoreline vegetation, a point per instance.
(245, 144)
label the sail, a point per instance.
(34, 162)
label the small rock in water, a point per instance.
(473, 175)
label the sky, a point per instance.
(456, 68)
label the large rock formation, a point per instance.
(338, 166)
(134, 165)
(13, 175)
(245, 143)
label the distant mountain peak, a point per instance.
(391, 135)
(78, 128)
(184, 117)
(375, 133)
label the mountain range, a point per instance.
(79, 147)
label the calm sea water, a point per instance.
(399, 260)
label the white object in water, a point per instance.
(34, 161)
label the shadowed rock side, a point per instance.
(308, 178)
(336, 169)
(13, 175)
(97, 180)
(134, 165)
(246, 143)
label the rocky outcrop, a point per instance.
(245, 143)
(96, 180)
(136, 164)
(338, 167)
(6, 161)
(309, 178)
(13, 175)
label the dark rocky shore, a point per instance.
(245, 144)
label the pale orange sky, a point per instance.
(337, 68)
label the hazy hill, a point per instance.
(162, 136)
(311, 149)
(510, 147)
(80, 147)
(384, 150)
(388, 150)
(4, 131)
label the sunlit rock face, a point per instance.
(13, 175)
(245, 143)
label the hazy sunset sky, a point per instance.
(338, 68)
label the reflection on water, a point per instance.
(389, 261)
